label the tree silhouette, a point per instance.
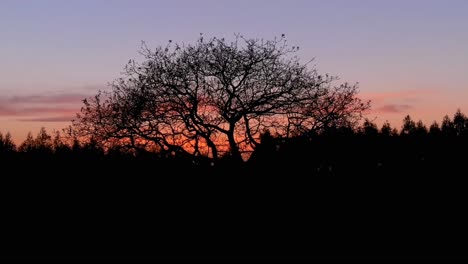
(43, 141)
(420, 128)
(447, 126)
(434, 129)
(6, 143)
(387, 130)
(28, 144)
(408, 127)
(217, 96)
(459, 122)
(369, 128)
(388, 175)
(42, 144)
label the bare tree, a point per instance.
(216, 97)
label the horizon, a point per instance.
(408, 57)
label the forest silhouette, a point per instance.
(375, 192)
(233, 151)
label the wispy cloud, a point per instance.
(36, 110)
(49, 119)
(56, 99)
(56, 107)
(401, 95)
(396, 102)
(393, 108)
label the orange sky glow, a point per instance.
(409, 57)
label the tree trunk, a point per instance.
(236, 155)
(214, 150)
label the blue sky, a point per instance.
(409, 57)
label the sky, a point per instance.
(408, 56)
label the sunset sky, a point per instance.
(409, 56)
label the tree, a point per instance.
(434, 129)
(43, 141)
(459, 122)
(447, 126)
(59, 144)
(387, 130)
(215, 97)
(28, 144)
(369, 128)
(420, 128)
(408, 127)
(6, 143)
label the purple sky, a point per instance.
(410, 57)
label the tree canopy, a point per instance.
(216, 97)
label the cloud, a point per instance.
(402, 95)
(38, 110)
(55, 99)
(393, 108)
(54, 107)
(395, 102)
(49, 119)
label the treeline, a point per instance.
(387, 193)
(336, 150)
(415, 150)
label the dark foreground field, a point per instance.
(168, 212)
